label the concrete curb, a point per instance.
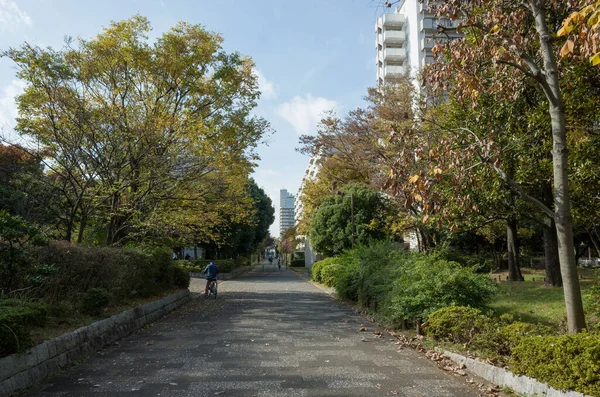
(19, 371)
(500, 376)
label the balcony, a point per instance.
(394, 54)
(393, 71)
(427, 43)
(393, 20)
(428, 24)
(393, 37)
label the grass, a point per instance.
(531, 301)
(64, 317)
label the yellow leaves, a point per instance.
(437, 171)
(413, 179)
(595, 59)
(567, 48)
(418, 197)
(566, 28)
(495, 29)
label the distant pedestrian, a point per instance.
(174, 256)
(187, 257)
(279, 263)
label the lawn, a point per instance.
(532, 301)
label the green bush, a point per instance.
(424, 284)
(592, 298)
(565, 362)
(297, 263)
(181, 277)
(17, 319)
(319, 265)
(457, 324)
(94, 301)
(329, 274)
(512, 334)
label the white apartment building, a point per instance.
(286, 211)
(311, 172)
(404, 40)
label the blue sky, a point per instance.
(311, 56)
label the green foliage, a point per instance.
(15, 236)
(424, 284)
(403, 286)
(297, 263)
(329, 274)
(94, 301)
(565, 362)
(320, 265)
(124, 272)
(198, 266)
(592, 298)
(331, 228)
(17, 318)
(469, 327)
(457, 324)
(181, 278)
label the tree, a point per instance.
(137, 134)
(331, 230)
(582, 27)
(511, 40)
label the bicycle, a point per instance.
(212, 289)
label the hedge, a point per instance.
(319, 265)
(17, 319)
(565, 362)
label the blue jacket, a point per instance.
(211, 271)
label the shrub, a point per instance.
(425, 284)
(319, 265)
(566, 362)
(457, 324)
(17, 319)
(512, 334)
(328, 274)
(181, 277)
(297, 263)
(94, 301)
(592, 298)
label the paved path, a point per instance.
(268, 334)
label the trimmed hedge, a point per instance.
(16, 321)
(197, 266)
(297, 263)
(565, 362)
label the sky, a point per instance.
(311, 56)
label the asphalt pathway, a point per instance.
(269, 333)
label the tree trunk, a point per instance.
(82, 225)
(551, 261)
(594, 239)
(512, 246)
(564, 222)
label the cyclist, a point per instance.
(211, 272)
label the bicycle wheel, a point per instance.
(213, 289)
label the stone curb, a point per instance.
(19, 371)
(499, 376)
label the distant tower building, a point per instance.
(286, 211)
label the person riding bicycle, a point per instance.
(211, 272)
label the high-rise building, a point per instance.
(404, 40)
(311, 172)
(286, 211)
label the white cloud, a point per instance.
(8, 107)
(12, 17)
(267, 88)
(304, 113)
